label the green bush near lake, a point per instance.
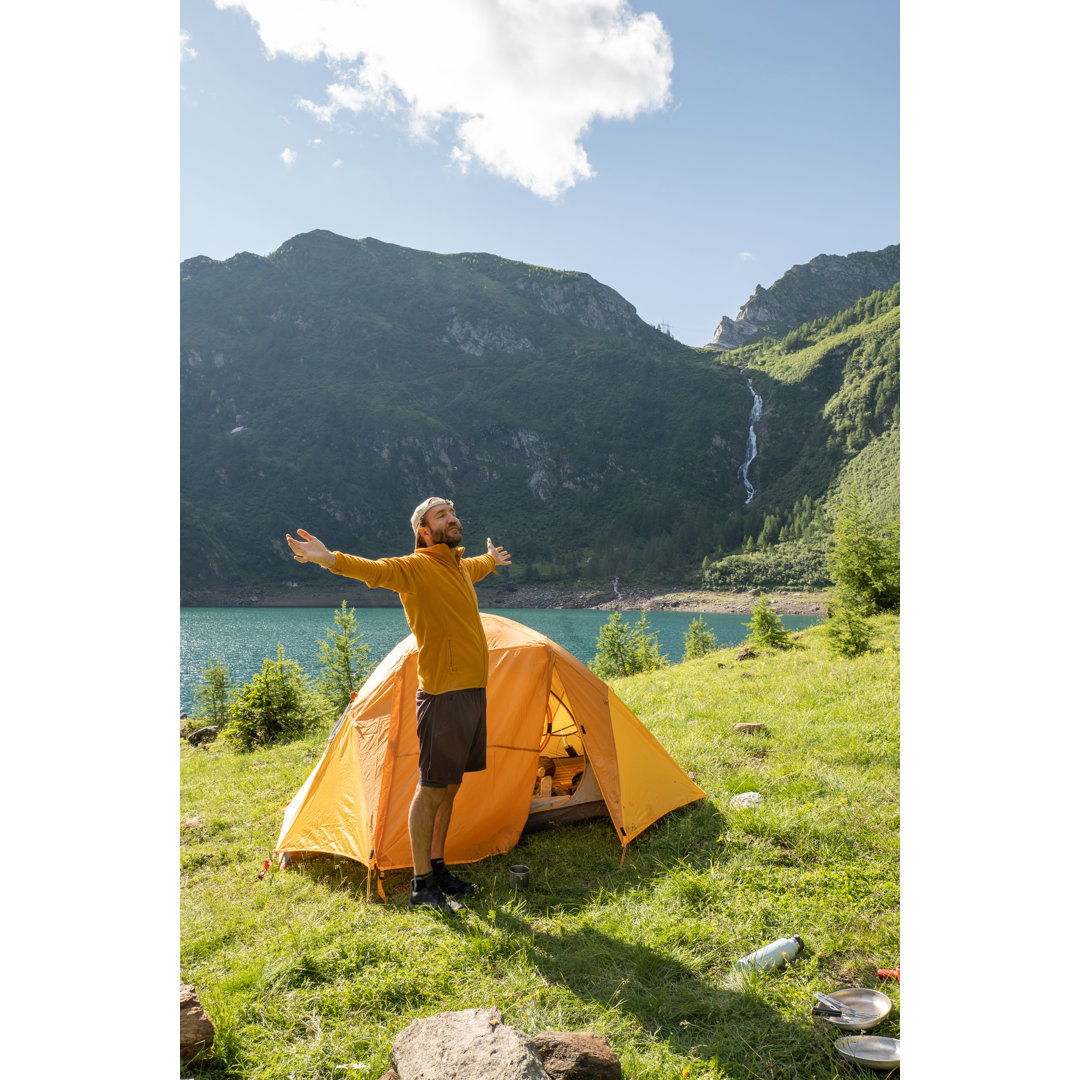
(302, 977)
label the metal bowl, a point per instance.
(861, 999)
(873, 1051)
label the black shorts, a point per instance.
(452, 730)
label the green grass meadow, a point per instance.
(303, 978)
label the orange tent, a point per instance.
(547, 713)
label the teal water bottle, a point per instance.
(774, 955)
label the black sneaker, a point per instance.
(431, 896)
(453, 885)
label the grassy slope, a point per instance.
(301, 976)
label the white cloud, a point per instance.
(520, 81)
(288, 156)
(745, 256)
(186, 52)
(325, 113)
(336, 164)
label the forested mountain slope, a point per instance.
(335, 382)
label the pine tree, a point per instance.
(847, 630)
(698, 640)
(614, 648)
(767, 628)
(213, 693)
(625, 649)
(646, 647)
(864, 560)
(344, 659)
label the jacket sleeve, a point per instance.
(479, 566)
(395, 574)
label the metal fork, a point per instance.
(846, 1011)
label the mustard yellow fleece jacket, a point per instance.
(436, 589)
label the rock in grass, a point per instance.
(745, 653)
(204, 734)
(196, 1028)
(577, 1055)
(750, 729)
(476, 1045)
(473, 1044)
(746, 800)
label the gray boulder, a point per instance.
(473, 1044)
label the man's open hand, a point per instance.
(502, 556)
(310, 549)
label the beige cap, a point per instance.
(423, 508)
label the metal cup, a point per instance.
(519, 876)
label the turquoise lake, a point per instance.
(243, 637)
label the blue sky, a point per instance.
(679, 152)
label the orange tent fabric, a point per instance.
(541, 699)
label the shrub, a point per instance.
(767, 628)
(344, 658)
(277, 704)
(622, 649)
(698, 639)
(792, 564)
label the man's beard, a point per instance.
(440, 537)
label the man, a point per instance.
(436, 586)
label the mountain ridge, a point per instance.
(824, 285)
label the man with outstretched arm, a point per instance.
(436, 585)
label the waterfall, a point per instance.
(615, 586)
(751, 444)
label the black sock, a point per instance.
(437, 865)
(421, 881)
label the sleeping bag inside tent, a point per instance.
(561, 747)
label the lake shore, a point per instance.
(633, 598)
(496, 596)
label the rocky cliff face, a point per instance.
(565, 294)
(585, 300)
(822, 287)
